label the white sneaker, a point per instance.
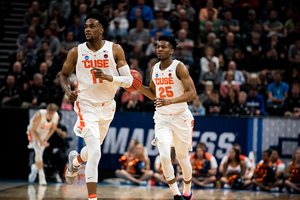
(42, 179)
(72, 171)
(33, 173)
(57, 178)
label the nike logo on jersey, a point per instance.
(185, 120)
(83, 54)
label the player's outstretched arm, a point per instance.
(183, 74)
(66, 72)
(149, 91)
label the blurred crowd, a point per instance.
(235, 171)
(243, 55)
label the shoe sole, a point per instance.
(192, 194)
(71, 180)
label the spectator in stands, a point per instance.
(234, 171)
(292, 104)
(254, 81)
(147, 12)
(34, 22)
(159, 176)
(66, 104)
(228, 46)
(160, 28)
(150, 64)
(124, 24)
(176, 20)
(41, 53)
(56, 16)
(197, 108)
(55, 156)
(27, 64)
(238, 75)
(273, 25)
(30, 57)
(214, 106)
(248, 25)
(241, 109)
(56, 91)
(52, 40)
(186, 60)
(68, 44)
(117, 35)
(212, 75)
(153, 24)
(227, 6)
(20, 78)
(292, 173)
(215, 23)
(277, 92)
(209, 57)
(233, 24)
(237, 57)
(202, 37)
(55, 30)
(294, 50)
(255, 102)
(138, 168)
(203, 14)
(185, 25)
(275, 53)
(253, 59)
(211, 41)
(37, 94)
(229, 82)
(10, 94)
(187, 44)
(65, 6)
(47, 77)
(139, 35)
(162, 6)
(77, 29)
(206, 94)
(133, 103)
(138, 16)
(190, 10)
(34, 11)
(204, 170)
(127, 155)
(36, 41)
(134, 64)
(247, 3)
(231, 100)
(264, 175)
(265, 14)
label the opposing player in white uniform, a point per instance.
(171, 86)
(41, 127)
(100, 68)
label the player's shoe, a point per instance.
(178, 197)
(188, 197)
(33, 173)
(42, 179)
(72, 171)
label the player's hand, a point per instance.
(44, 143)
(98, 73)
(73, 95)
(159, 102)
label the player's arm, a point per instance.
(225, 165)
(147, 165)
(125, 79)
(51, 131)
(243, 169)
(183, 74)
(66, 72)
(150, 91)
(37, 120)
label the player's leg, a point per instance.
(224, 180)
(39, 150)
(209, 180)
(160, 178)
(127, 176)
(290, 184)
(146, 176)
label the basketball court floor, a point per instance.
(15, 190)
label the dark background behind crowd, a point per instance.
(243, 55)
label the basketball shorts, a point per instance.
(174, 129)
(33, 142)
(94, 118)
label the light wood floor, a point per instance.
(106, 191)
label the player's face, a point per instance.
(49, 115)
(92, 30)
(200, 153)
(297, 155)
(264, 156)
(164, 50)
(232, 154)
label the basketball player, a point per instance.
(41, 127)
(96, 63)
(171, 86)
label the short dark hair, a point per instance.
(215, 91)
(169, 39)
(102, 19)
(268, 151)
(254, 88)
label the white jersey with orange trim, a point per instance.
(234, 170)
(92, 89)
(44, 126)
(168, 86)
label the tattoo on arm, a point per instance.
(66, 84)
